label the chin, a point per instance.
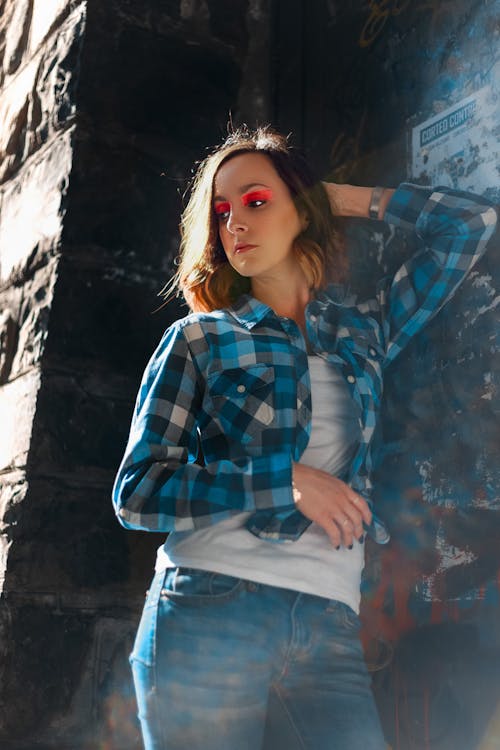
(245, 272)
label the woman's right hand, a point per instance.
(331, 503)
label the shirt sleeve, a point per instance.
(453, 229)
(159, 485)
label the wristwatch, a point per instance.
(374, 208)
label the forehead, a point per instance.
(243, 170)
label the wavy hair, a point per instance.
(204, 275)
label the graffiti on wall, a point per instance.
(380, 11)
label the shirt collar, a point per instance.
(339, 294)
(249, 311)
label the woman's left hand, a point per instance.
(331, 503)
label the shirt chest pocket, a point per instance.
(241, 400)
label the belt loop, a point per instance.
(156, 588)
(177, 572)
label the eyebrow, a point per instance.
(244, 188)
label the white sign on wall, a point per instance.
(460, 146)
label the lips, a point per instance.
(242, 247)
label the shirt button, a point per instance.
(351, 379)
(372, 351)
(313, 318)
(241, 389)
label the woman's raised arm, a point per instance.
(362, 202)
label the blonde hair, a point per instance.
(204, 276)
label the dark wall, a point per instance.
(152, 86)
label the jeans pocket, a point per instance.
(145, 640)
(192, 587)
(343, 616)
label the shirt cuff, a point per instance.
(406, 205)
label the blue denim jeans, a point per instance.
(221, 663)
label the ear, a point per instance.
(304, 222)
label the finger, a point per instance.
(355, 521)
(332, 530)
(345, 527)
(349, 520)
(361, 505)
(355, 517)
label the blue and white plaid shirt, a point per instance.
(224, 407)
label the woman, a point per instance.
(246, 642)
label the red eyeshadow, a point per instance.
(222, 208)
(257, 195)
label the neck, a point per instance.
(288, 298)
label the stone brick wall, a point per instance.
(103, 109)
(40, 43)
(37, 115)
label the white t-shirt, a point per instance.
(311, 564)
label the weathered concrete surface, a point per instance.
(368, 74)
(372, 71)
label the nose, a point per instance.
(235, 223)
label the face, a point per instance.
(257, 219)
